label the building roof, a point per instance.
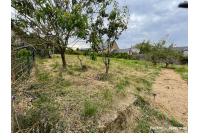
(121, 50)
(103, 46)
(84, 49)
(184, 48)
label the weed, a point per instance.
(70, 72)
(140, 101)
(152, 112)
(184, 76)
(84, 68)
(122, 84)
(146, 82)
(142, 127)
(41, 99)
(175, 123)
(42, 61)
(108, 95)
(181, 70)
(90, 108)
(68, 83)
(138, 88)
(37, 72)
(103, 77)
(70, 66)
(62, 93)
(56, 65)
(44, 77)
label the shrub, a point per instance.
(93, 56)
(184, 59)
(125, 56)
(22, 52)
(86, 52)
(134, 58)
(70, 51)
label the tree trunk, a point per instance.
(63, 59)
(167, 64)
(146, 63)
(107, 66)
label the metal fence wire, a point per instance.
(21, 65)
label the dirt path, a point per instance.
(172, 95)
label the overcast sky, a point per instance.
(153, 19)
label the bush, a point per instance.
(93, 56)
(70, 51)
(134, 58)
(86, 52)
(184, 59)
(22, 52)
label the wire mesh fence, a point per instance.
(21, 65)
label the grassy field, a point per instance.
(181, 69)
(75, 100)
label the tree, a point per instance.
(160, 52)
(145, 48)
(56, 21)
(117, 23)
(157, 51)
(170, 56)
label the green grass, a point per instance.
(108, 95)
(44, 77)
(183, 72)
(56, 65)
(103, 77)
(90, 109)
(122, 84)
(180, 70)
(139, 89)
(145, 82)
(42, 61)
(149, 112)
(57, 87)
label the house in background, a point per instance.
(104, 47)
(183, 49)
(128, 51)
(135, 50)
(115, 49)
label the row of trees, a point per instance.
(57, 21)
(160, 52)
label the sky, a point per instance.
(152, 19)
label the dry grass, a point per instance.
(86, 103)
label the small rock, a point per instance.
(167, 87)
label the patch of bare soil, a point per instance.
(171, 95)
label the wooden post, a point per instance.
(33, 55)
(28, 62)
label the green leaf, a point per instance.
(63, 19)
(38, 17)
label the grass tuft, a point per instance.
(90, 109)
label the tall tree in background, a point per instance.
(56, 21)
(145, 48)
(170, 56)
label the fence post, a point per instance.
(33, 55)
(28, 63)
